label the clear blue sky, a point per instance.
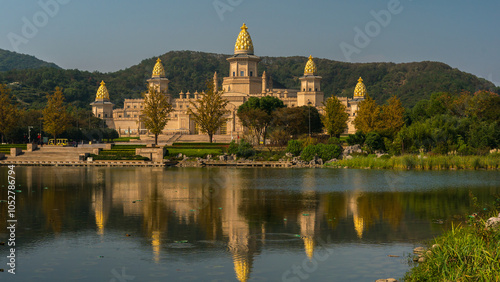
(110, 35)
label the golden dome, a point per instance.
(310, 67)
(360, 90)
(102, 92)
(244, 43)
(158, 70)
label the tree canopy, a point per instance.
(335, 117)
(209, 111)
(155, 113)
(256, 114)
(8, 111)
(55, 116)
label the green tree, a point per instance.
(155, 112)
(55, 116)
(209, 111)
(336, 117)
(295, 121)
(8, 111)
(257, 114)
(368, 116)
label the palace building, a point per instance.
(241, 84)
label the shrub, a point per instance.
(309, 153)
(354, 139)
(294, 147)
(334, 141)
(233, 148)
(374, 141)
(245, 149)
(328, 152)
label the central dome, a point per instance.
(244, 44)
(310, 67)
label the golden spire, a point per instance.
(158, 70)
(310, 67)
(244, 43)
(360, 90)
(102, 92)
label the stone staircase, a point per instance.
(49, 153)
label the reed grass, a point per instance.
(421, 162)
(465, 253)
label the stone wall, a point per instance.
(32, 147)
(15, 151)
(154, 154)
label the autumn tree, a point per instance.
(209, 111)
(155, 112)
(392, 117)
(336, 117)
(368, 116)
(55, 116)
(257, 114)
(8, 111)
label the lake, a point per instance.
(229, 224)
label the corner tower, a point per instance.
(243, 67)
(310, 86)
(158, 79)
(102, 106)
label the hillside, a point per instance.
(15, 61)
(188, 71)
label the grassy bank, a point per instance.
(469, 252)
(491, 161)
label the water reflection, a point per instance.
(239, 213)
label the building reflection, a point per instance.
(216, 205)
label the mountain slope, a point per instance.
(15, 61)
(188, 71)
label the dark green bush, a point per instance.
(328, 152)
(354, 139)
(233, 148)
(324, 152)
(245, 149)
(374, 141)
(294, 147)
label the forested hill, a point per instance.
(188, 71)
(15, 61)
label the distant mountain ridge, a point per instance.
(189, 70)
(15, 61)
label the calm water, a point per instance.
(225, 224)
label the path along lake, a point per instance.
(229, 224)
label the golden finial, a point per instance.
(360, 90)
(102, 92)
(310, 67)
(244, 44)
(158, 70)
